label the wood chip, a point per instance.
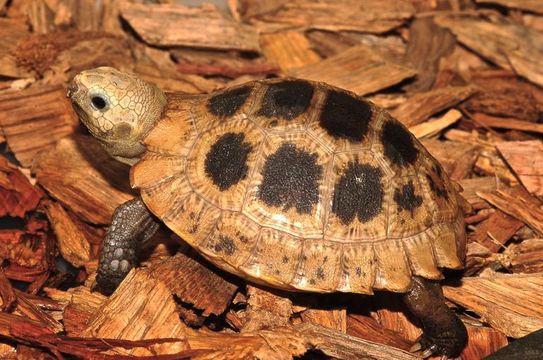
(526, 257)
(335, 319)
(526, 160)
(72, 243)
(495, 231)
(195, 283)
(420, 107)
(178, 25)
(428, 43)
(363, 16)
(511, 304)
(81, 175)
(520, 206)
(367, 328)
(483, 341)
(265, 310)
(288, 49)
(358, 69)
(142, 307)
(509, 45)
(433, 127)
(529, 5)
(26, 115)
(17, 195)
(506, 123)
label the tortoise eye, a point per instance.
(98, 102)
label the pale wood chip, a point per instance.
(288, 49)
(433, 127)
(27, 115)
(71, 242)
(507, 44)
(506, 123)
(142, 307)
(178, 25)
(526, 160)
(358, 69)
(333, 15)
(335, 319)
(529, 5)
(194, 283)
(521, 206)
(511, 304)
(420, 107)
(80, 174)
(526, 257)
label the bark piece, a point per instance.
(342, 346)
(529, 5)
(509, 102)
(428, 43)
(482, 341)
(433, 127)
(511, 304)
(81, 175)
(507, 123)
(495, 231)
(195, 283)
(420, 107)
(363, 16)
(11, 32)
(142, 307)
(509, 45)
(368, 328)
(526, 257)
(526, 160)
(519, 205)
(17, 195)
(288, 49)
(358, 69)
(265, 310)
(393, 315)
(72, 243)
(335, 319)
(26, 115)
(178, 25)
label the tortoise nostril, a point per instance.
(72, 89)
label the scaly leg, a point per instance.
(132, 224)
(443, 332)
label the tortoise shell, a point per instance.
(301, 186)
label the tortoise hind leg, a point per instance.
(443, 332)
(131, 225)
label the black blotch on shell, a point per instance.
(226, 103)
(226, 245)
(226, 161)
(438, 188)
(287, 99)
(345, 116)
(406, 199)
(358, 193)
(399, 144)
(290, 178)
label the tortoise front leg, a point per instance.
(443, 332)
(131, 225)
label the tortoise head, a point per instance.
(119, 109)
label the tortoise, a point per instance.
(289, 183)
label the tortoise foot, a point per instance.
(449, 346)
(443, 332)
(131, 225)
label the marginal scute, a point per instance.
(392, 269)
(227, 103)
(358, 193)
(287, 99)
(226, 161)
(398, 144)
(358, 268)
(345, 116)
(291, 179)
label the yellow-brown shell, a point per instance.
(301, 186)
